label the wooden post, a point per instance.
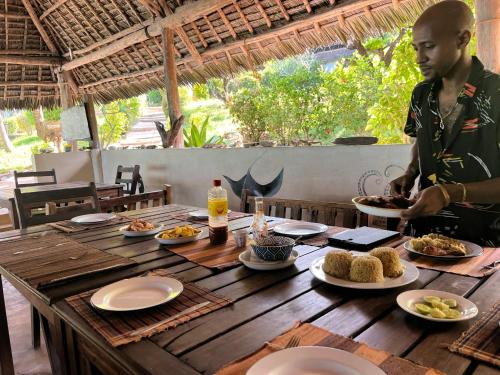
(173, 99)
(92, 119)
(66, 100)
(488, 33)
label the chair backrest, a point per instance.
(80, 200)
(51, 175)
(131, 182)
(138, 201)
(329, 213)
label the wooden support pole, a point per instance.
(31, 60)
(176, 138)
(487, 31)
(66, 99)
(14, 16)
(92, 120)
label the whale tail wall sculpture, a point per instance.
(249, 183)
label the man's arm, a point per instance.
(403, 184)
(487, 191)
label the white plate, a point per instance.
(300, 229)
(249, 259)
(305, 360)
(472, 250)
(407, 300)
(175, 241)
(377, 211)
(134, 233)
(93, 218)
(136, 293)
(201, 214)
(409, 275)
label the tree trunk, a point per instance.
(39, 123)
(5, 136)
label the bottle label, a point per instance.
(217, 207)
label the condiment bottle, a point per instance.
(217, 214)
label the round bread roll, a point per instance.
(367, 269)
(390, 261)
(338, 263)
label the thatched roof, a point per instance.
(113, 48)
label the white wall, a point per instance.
(69, 166)
(334, 173)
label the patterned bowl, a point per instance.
(274, 248)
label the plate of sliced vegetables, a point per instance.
(178, 235)
(437, 305)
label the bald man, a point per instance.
(455, 117)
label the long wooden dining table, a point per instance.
(266, 304)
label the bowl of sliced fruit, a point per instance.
(178, 235)
(437, 305)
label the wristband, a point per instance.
(446, 195)
(464, 191)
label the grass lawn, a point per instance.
(20, 159)
(220, 119)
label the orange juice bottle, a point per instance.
(217, 214)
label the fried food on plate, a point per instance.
(438, 245)
(178, 232)
(389, 201)
(139, 225)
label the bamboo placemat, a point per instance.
(117, 327)
(467, 266)
(231, 216)
(314, 336)
(482, 340)
(67, 226)
(204, 254)
(51, 258)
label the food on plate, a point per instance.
(178, 232)
(139, 225)
(389, 201)
(366, 269)
(438, 245)
(390, 261)
(338, 263)
(436, 307)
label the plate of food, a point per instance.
(385, 206)
(380, 268)
(140, 228)
(178, 235)
(437, 305)
(136, 293)
(441, 247)
(313, 360)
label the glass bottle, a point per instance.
(217, 214)
(259, 224)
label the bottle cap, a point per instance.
(217, 182)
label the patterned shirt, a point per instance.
(469, 153)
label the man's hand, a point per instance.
(403, 185)
(429, 202)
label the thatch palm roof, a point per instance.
(113, 48)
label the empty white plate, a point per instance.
(201, 214)
(93, 218)
(249, 259)
(300, 229)
(317, 360)
(407, 301)
(409, 275)
(136, 293)
(136, 233)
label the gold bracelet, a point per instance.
(464, 191)
(446, 195)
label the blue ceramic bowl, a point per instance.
(273, 253)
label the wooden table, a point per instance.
(7, 196)
(266, 305)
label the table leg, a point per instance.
(6, 362)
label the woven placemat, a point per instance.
(482, 340)
(311, 335)
(231, 216)
(50, 258)
(118, 327)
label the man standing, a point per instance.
(455, 116)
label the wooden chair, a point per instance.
(329, 213)
(26, 202)
(37, 174)
(132, 182)
(138, 201)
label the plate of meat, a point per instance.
(385, 206)
(438, 246)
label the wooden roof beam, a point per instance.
(227, 23)
(51, 46)
(307, 5)
(283, 9)
(242, 16)
(396, 4)
(53, 7)
(26, 52)
(263, 13)
(32, 60)
(28, 83)
(189, 45)
(14, 16)
(200, 35)
(212, 29)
